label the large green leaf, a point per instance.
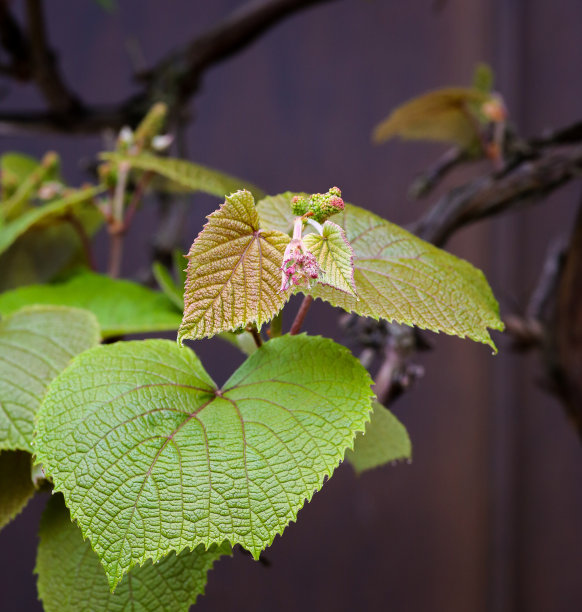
(334, 256)
(71, 579)
(16, 487)
(121, 307)
(275, 211)
(234, 271)
(35, 345)
(401, 277)
(45, 215)
(385, 440)
(152, 457)
(183, 175)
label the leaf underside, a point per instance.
(334, 256)
(16, 487)
(152, 458)
(71, 579)
(234, 272)
(444, 115)
(403, 278)
(35, 345)
(121, 307)
(384, 441)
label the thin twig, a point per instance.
(84, 239)
(300, 316)
(137, 197)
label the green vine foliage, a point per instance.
(159, 471)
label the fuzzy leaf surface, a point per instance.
(403, 278)
(385, 440)
(152, 458)
(182, 175)
(234, 271)
(16, 487)
(335, 257)
(121, 307)
(71, 579)
(35, 345)
(275, 211)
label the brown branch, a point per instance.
(44, 68)
(425, 182)
(526, 183)
(177, 75)
(15, 44)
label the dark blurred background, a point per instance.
(488, 515)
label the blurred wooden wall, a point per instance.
(487, 517)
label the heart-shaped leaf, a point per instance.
(71, 579)
(121, 307)
(152, 457)
(234, 271)
(385, 440)
(334, 256)
(35, 345)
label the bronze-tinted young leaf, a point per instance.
(234, 271)
(403, 278)
(448, 115)
(334, 256)
(16, 487)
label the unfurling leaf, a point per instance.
(184, 176)
(234, 271)
(450, 115)
(35, 345)
(334, 256)
(71, 579)
(385, 440)
(152, 457)
(16, 486)
(121, 307)
(403, 278)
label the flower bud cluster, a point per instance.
(300, 268)
(320, 205)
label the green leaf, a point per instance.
(152, 457)
(14, 169)
(483, 78)
(16, 487)
(184, 176)
(167, 284)
(275, 211)
(335, 257)
(403, 278)
(35, 345)
(121, 307)
(449, 115)
(71, 579)
(234, 272)
(384, 441)
(45, 215)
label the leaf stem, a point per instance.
(300, 316)
(255, 333)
